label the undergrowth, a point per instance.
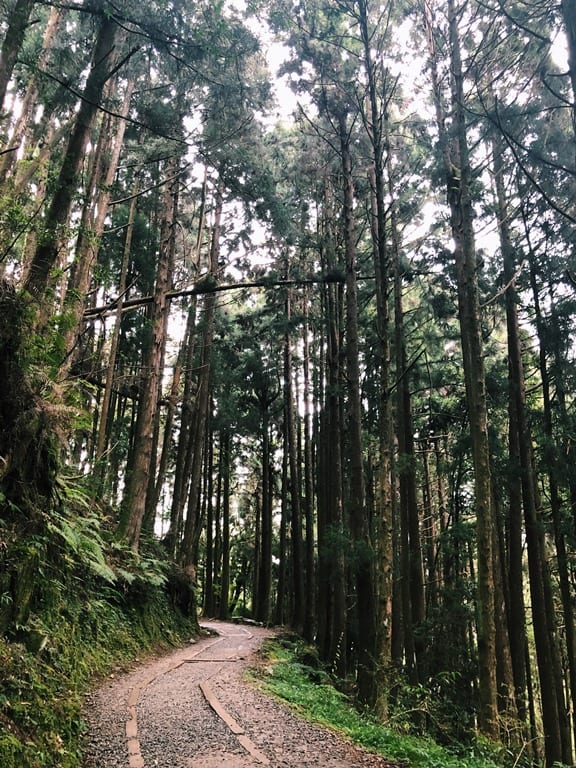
(94, 608)
(310, 691)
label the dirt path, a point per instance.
(193, 709)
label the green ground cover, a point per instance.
(288, 674)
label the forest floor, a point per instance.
(195, 708)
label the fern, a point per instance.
(83, 538)
(103, 570)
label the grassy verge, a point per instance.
(309, 691)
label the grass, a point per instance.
(310, 693)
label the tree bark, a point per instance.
(310, 586)
(9, 159)
(365, 594)
(298, 606)
(16, 25)
(456, 161)
(331, 611)
(107, 157)
(264, 585)
(544, 634)
(378, 97)
(134, 504)
(226, 451)
(58, 213)
(554, 713)
(202, 403)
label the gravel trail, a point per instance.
(193, 709)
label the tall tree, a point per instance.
(356, 502)
(453, 145)
(16, 25)
(192, 527)
(137, 482)
(54, 234)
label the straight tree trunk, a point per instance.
(115, 337)
(310, 587)
(158, 480)
(134, 505)
(455, 156)
(16, 25)
(58, 213)
(282, 587)
(516, 608)
(257, 554)
(264, 584)
(365, 594)
(202, 405)
(413, 575)
(554, 713)
(225, 449)
(549, 347)
(209, 546)
(9, 159)
(544, 634)
(185, 439)
(107, 157)
(332, 630)
(378, 98)
(183, 452)
(504, 674)
(297, 619)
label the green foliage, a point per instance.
(312, 695)
(74, 604)
(82, 540)
(43, 684)
(84, 633)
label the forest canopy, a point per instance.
(287, 297)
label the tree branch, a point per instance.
(205, 286)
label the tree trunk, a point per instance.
(297, 619)
(264, 585)
(544, 634)
(183, 452)
(282, 587)
(9, 159)
(202, 404)
(310, 587)
(457, 169)
(158, 480)
(332, 637)
(58, 213)
(504, 674)
(212, 511)
(378, 97)
(554, 713)
(185, 439)
(413, 575)
(115, 338)
(365, 594)
(16, 25)
(107, 157)
(134, 505)
(225, 448)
